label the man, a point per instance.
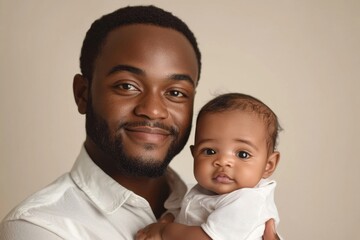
(140, 67)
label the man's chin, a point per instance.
(142, 168)
(144, 163)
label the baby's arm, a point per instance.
(171, 231)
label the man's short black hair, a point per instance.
(152, 15)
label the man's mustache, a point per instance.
(172, 130)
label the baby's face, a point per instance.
(230, 151)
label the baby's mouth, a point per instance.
(223, 178)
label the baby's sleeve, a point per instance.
(241, 215)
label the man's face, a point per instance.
(141, 98)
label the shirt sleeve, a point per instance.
(23, 230)
(238, 216)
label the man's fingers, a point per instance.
(270, 232)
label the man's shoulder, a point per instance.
(43, 200)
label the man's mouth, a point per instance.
(148, 130)
(147, 133)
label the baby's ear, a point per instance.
(271, 164)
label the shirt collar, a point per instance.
(108, 195)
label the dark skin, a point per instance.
(143, 73)
(136, 80)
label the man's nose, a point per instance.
(152, 106)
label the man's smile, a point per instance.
(146, 134)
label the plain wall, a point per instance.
(302, 58)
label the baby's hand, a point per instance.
(151, 232)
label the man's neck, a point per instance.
(154, 190)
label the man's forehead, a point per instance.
(146, 43)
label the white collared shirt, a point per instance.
(85, 204)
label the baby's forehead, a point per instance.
(231, 119)
(233, 116)
(258, 111)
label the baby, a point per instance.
(234, 155)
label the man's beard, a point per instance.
(111, 144)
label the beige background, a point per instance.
(300, 57)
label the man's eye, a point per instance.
(126, 86)
(243, 155)
(176, 93)
(209, 151)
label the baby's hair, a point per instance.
(243, 102)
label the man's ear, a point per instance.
(192, 150)
(271, 164)
(81, 89)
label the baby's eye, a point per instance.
(209, 151)
(243, 155)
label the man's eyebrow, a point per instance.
(138, 71)
(182, 77)
(126, 68)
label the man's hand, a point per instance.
(270, 232)
(167, 218)
(151, 232)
